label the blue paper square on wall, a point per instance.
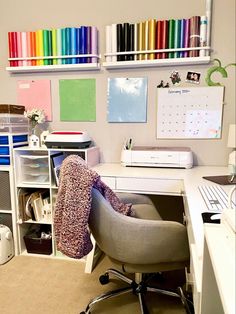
(127, 99)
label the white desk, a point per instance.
(183, 182)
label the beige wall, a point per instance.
(28, 15)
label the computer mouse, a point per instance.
(216, 217)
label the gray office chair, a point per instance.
(136, 245)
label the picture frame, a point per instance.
(38, 208)
(193, 77)
(57, 160)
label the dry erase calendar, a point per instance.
(189, 112)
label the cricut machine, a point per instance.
(68, 139)
(148, 156)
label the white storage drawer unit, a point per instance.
(31, 167)
(34, 169)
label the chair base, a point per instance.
(135, 287)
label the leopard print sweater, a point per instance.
(73, 206)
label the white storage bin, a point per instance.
(6, 118)
(22, 128)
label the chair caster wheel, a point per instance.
(104, 279)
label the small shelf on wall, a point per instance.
(55, 49)
(54, 68)
(156, 62)
(90, 66)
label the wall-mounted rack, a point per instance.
(95, 65)
(157, 62)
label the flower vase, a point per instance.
(33, 139)
(32, 131)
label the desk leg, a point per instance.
(92, 257)
(210, 298)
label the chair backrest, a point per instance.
(103, 220)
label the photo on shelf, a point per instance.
(38, 208)
(57, 160)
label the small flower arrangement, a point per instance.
(35, 116)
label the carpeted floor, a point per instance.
(50, 286)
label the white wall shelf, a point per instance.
(142, 58)
(54, 68)
(156, 62)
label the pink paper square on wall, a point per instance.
(35, 94)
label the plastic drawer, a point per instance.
(4, 150)
(5, 161)
(20, 138)
(6, 118)
(4, 139)
(14, 129)
(35, 178)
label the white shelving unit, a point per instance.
(7, 186)
(34, 172)
(7, 201)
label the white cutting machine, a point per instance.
(146, 156)
(68, 139)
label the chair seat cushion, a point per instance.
(141, 204)
(146, 211)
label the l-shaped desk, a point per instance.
(169, 181)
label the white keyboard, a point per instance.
(214, 197)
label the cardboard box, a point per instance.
(7, 108)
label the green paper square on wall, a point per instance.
(77, 100)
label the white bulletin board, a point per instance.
(194, 112)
